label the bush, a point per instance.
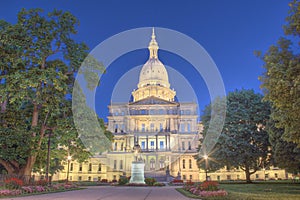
(104, 181)
(123, 180)
(209, 186)
(158, 184)
(177, 181)
(13, 183)
(42, 182)
(150, 181)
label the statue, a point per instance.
(137, 166)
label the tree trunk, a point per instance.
(26, 170)
(247, 172)
(35, 116)
(9, 168)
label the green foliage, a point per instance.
(244, 141)
(150, 181)
(286, 154)
(281, 79)
(123, 180)
(38, 64)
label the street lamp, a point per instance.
(206, 161)
(69, 160)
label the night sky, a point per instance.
(230, 31)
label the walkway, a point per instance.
(112, 193)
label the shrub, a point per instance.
(150, 181)
(104, 181)
(123, 180)
(13, 183)
(209, 186)
(158, 184)
(213, 193)
(177, 181)
(189, 183)
(42, 182)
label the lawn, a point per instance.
(279, 191)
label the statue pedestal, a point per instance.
(137, 172)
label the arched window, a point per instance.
(161, 164)
(152, 164)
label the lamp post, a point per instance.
(206, 160)
(69, 160)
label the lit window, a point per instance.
(182, 128)
(152, 143)
(189, 127)
(143, 127)
(161, 144)
(143, 145)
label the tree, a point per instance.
(38, 64)
(281, 79)
(243, 142)
(286, 154)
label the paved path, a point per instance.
(112, 193)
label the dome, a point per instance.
(153, 71)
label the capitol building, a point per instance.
(166, 130)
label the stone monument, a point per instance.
(137, 167)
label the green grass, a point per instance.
(255, 192)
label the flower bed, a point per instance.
(206, 189)
(176, 182)
(37, 189)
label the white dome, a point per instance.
(153, 71)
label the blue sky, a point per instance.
(230, 31)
